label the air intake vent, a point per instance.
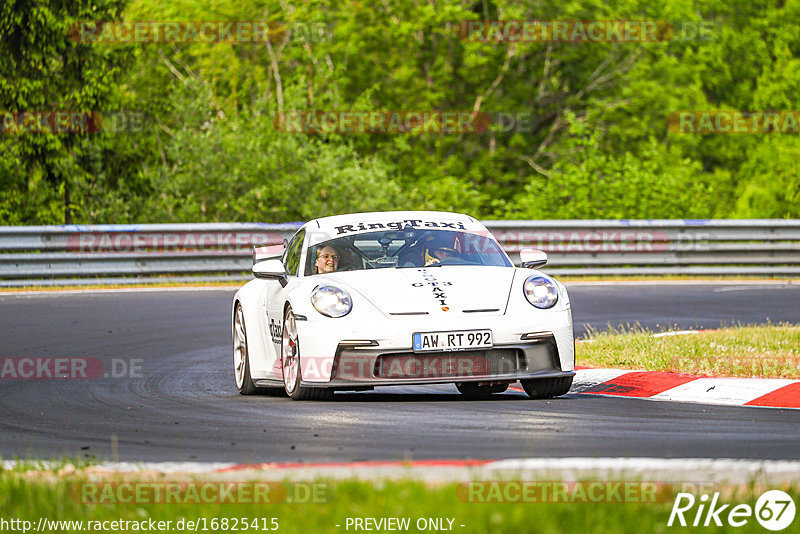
(446, 364)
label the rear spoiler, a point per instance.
(268, 252)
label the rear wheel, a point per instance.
(290, 364)
(545, 388)
(472, 390)
(241, 360)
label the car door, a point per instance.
(274, 298)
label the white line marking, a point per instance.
(129, 467)
(750, 288)
(709, 470)
(659, 469)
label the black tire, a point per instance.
(472, 390)
(291, 384)
(247, 387)
(545, 388)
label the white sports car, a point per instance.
(396, 298)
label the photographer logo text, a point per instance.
(774, 510)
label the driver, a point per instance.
(440, 248)
(327, 260)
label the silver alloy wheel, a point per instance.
(290, 353)
(239, 346)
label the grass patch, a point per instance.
(27, 498)
(768, 351)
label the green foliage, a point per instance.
(592, 183)
(43, 70)
(243, 169)
(771, 180)
(594, 143)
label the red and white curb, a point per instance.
(660, 386)
(677, 470)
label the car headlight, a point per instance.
(331, 301)
(540, 291)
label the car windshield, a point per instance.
(407, 248)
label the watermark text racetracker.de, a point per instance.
(707, 122)
(178, 241)
(583, 31)
(614, 241)
(201, 31)
(413, 122)
(200, 492)
(69, 368)
(381, 121)
(65, 122)
(547, 491)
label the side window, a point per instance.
(291, 260)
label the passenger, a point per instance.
(327, 260)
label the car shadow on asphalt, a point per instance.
(387, 395)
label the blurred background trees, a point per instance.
(592, 143)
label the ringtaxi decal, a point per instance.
(399, 225)
(774, 510)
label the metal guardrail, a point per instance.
(54, 255)
(761, 247)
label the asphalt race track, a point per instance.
(184, 406)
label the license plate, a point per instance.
(447, 341)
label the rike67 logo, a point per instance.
(774, 510)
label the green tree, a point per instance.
(770, 180)
(594, 141)
(43, 70)
(592, 183)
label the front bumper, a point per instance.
(338, 353)
(538, 358)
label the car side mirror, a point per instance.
(270, 270)
(267, 253)
(531, 258)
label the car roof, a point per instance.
(377, 216)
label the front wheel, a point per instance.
(290, 363)
(545, 388)
(472, 390)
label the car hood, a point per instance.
(432, 290)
